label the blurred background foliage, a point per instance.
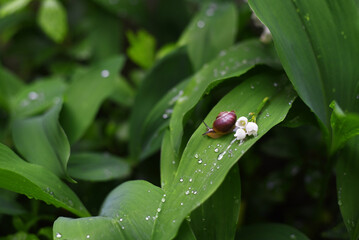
(282, 181)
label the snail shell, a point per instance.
(224, 124)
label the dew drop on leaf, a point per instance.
(105, 73)
(58, 235)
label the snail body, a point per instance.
(224, 124)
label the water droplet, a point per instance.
(33, 95)
(165, 116)
(147, 218)
(173, 162)
(121, 219)
(194, 192)
(200, 161)
(358, 96)
(216, 150)
(292, 236)
(275, 84)
(58, 235)
(211, 182)
(196, 155)
(187, 192)
(252, 87)
(201, 24)
(174, 221)
(105, 73)
(181, 203)
(222, 53)
(158, 209)
(181, 180)
(123, 227)
(163, 200)
(190, 180)
(88, 236)
(220, 156)
(340, 202)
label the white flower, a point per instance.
(240, 134)
(242, 122)
(252, 129)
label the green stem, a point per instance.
(258, 111)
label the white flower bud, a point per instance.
(242, 122)
(252, 129)
(240, 134)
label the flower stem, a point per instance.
(258, 111)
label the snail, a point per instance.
(224, 124)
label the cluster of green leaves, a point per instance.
(104, 111)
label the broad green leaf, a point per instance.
(135, 11)
(142, 48)
(41, 140)
(344, 126)
(158, 119)
(206, 161)
(347, 185)
(169, 161)
(165, 74)
(9, 86)
(127, 213)
(236, 61)
(85, 95)
(97, 167)
(217, 217)
(36, 182)
(213, 29)
(37, 98)
(8, 203)
(185, 232)
(52, 18)
(12, 7)
(270, 231)
(123, 93)
(307, 42)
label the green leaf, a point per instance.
(347, 185)
(127, 213)
(8, 203)
(158, 119)
(37, 98)
(320, 73)
(142, 48)
(41, 140)
(217, 217)
(213, 29)
(206, 161)
(36, 182)
(344, 126)
(236, 61)
(185, 232)
(136, 11)
(9, 86)
(52, 18)
(169, 161)
(270, 231)
(12, 7)
(85, 95)
(123, 93)
(97, 167)
(166, 73)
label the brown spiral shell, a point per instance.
(224, 124)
